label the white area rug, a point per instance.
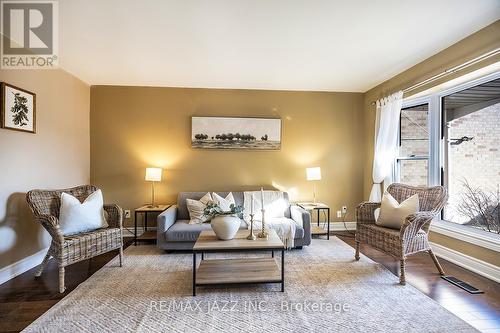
(325, 291)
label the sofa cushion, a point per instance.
(224, 203)
(182, 212)
(182, 231)
(196, 209)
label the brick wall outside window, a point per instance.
(414, 141)
(478, 160)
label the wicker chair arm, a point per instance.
(365, 212)
(51, 224)
(115, 215)
(414, 222)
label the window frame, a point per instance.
(437, 161)
(408, 103)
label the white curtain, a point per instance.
(386, 134)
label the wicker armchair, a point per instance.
(67, 250)
(413, 236)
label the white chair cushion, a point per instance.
(76, 217)
(393, 214)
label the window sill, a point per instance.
(467, 234)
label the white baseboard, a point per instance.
(337, 226)
(475, 265)
(23, 265)
(9, 272)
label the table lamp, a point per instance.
(313, 174)
(153, 175)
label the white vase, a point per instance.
(225, 226)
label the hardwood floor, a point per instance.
(481, 311)
(24, 298)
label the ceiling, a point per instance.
(323, 45)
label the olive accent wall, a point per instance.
(137, 127)
(483, 41)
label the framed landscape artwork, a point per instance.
(236, 133)
(18, 109)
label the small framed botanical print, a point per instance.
(18, 109)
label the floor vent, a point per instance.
(461, 284)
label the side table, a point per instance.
(318, 207)
(145, 210)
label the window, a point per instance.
(452, 138)
(471, 126)
(412, 163)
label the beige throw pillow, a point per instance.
(196, 207)
(224, 203)
(393, 214)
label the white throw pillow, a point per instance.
(393, 214)
(75, 217)
(196, 208)
(224, 203)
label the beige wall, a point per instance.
(136, 127)
(476, 44)
(57, 156)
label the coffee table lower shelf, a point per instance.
(222, 272)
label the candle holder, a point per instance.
(263, 233)
(251, 236)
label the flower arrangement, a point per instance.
(213, 209)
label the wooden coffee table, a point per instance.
(237, 271)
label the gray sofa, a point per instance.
(175, 233)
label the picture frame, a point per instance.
(236, 133)
(17, 108)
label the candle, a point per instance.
(251, 206)
(262, 197)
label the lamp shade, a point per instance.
(153, 174)
(313, 173)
